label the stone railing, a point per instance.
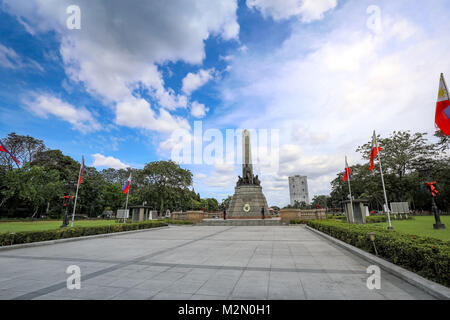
(298, 214)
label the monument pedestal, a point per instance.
(247, 202)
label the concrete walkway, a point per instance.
(197, 262)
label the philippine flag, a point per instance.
(3, 149)
(81, 171)
(373, 151)
(442, 118)
(127, 185)
(348, 172)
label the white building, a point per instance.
(298, 189)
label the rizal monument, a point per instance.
(248, 198)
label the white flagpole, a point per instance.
(76, 195)
(384, 188)
(349, 189)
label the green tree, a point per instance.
(113, 196)
(166, 176)
(320, 200)
(34, 186)
(24, 148)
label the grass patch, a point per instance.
(19, 226)
(420, 226)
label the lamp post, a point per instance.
(425, 167)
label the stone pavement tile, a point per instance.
(207, 297)
(252, 284)
(24, 284)
(125, 283)
(319, 286)
(136, 294)
(89, 292)
(218, 286)
(156, 268)
(10, 294)
(183, 286)
(172, 296)
(169, 275)
(260, 261)
(154, 284)
(285, 286)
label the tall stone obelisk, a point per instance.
(248, 198)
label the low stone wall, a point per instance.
(298, 214)
(194, 216)
(211, 215)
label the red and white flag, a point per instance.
(80, 179)
(127, 185)
(373, 151)
(442, 118)
(348, 172)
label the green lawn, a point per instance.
(6, 227)
(421, 226)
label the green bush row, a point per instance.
(34, 236)
(428, 257)
(376, 219)
(298, 222)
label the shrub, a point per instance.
(298, 222)
(425, 256)
(34, 236)
(376, 219)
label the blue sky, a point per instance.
(322, 74)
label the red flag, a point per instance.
(81, 171)
(127, 185)
(3, 149)
(432, 187)
(373, 151)
(442, 118)
(348, 172)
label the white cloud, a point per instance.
(137, 113)
(119, 46)
(45, 104)
(107, 162)
(198, 110)
(306, 10)
(10, 59)
(194, 81)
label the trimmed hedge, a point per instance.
(428, 257)
(298, 222)
(35, 236)
(376, 219)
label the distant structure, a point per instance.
(248, 199)
(298, 189)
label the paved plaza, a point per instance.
(197, 262)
